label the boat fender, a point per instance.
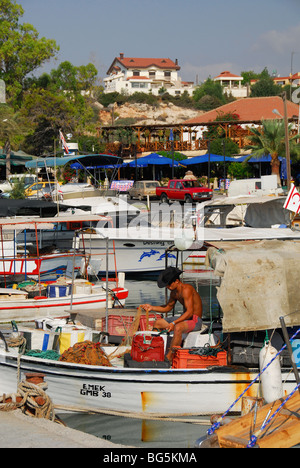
(271, 378)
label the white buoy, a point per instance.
(271, 378)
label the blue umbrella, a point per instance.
(206, 158)
(155, 159)
(264, 158)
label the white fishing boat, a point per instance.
(131, 233)
(44, 268)
(148, 391)
(57, 297)
(180, 390)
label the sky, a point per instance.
(206, 36)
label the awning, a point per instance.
(206, 158)
(253, 159)
(17, 158)
(45, 223)
(84, 160)
(260, 284)
(155, 159)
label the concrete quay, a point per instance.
(20, 431)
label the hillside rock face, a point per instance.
(144, 114)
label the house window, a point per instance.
(139, 85)
(167, 74)
(152, 74)
(136, 72)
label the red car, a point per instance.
(184, 190)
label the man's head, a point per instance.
(168, 276)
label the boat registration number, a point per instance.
(95, 391)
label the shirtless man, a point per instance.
(191, 318)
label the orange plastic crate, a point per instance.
(184, 360)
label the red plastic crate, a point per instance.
(151, 320)
(184, 360)
(118, 325)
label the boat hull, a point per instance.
(75, 387)
(145, 255)
(44, 268)
(31, 309)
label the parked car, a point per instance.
(142, 188)
(41, 189)
(184, 190)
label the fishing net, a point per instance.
(86, 352)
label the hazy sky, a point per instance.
(206, 36)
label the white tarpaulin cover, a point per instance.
(260, 283)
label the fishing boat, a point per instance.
(28, 257)
(131, 232)
(55, 298)
(58, 299)
(248, 303)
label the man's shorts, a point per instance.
(194, 324)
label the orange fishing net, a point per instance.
(86, 352)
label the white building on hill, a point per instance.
(232, 84)
(148, 75)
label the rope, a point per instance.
(217, 424)
(27, 393)
(206, 350)
(254, 437)
(135, 415)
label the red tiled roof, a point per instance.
(227, 74)
(250, 110)
(135, 62)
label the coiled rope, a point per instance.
(26, 399)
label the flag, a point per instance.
(292, 201)
(63, 141)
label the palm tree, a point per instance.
(270, 139)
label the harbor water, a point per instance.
(145, 433)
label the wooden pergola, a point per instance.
(132, 139)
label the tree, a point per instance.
(270, 139)
(21, 49)
(86, 77)
(64, 78)
(212, 89)
(10, 129)
(239, 170)
(265, 86)
(218, 145)
(248, 76)
(45, 112)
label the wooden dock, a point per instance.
(282, 432)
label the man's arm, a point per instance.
(161, 309)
